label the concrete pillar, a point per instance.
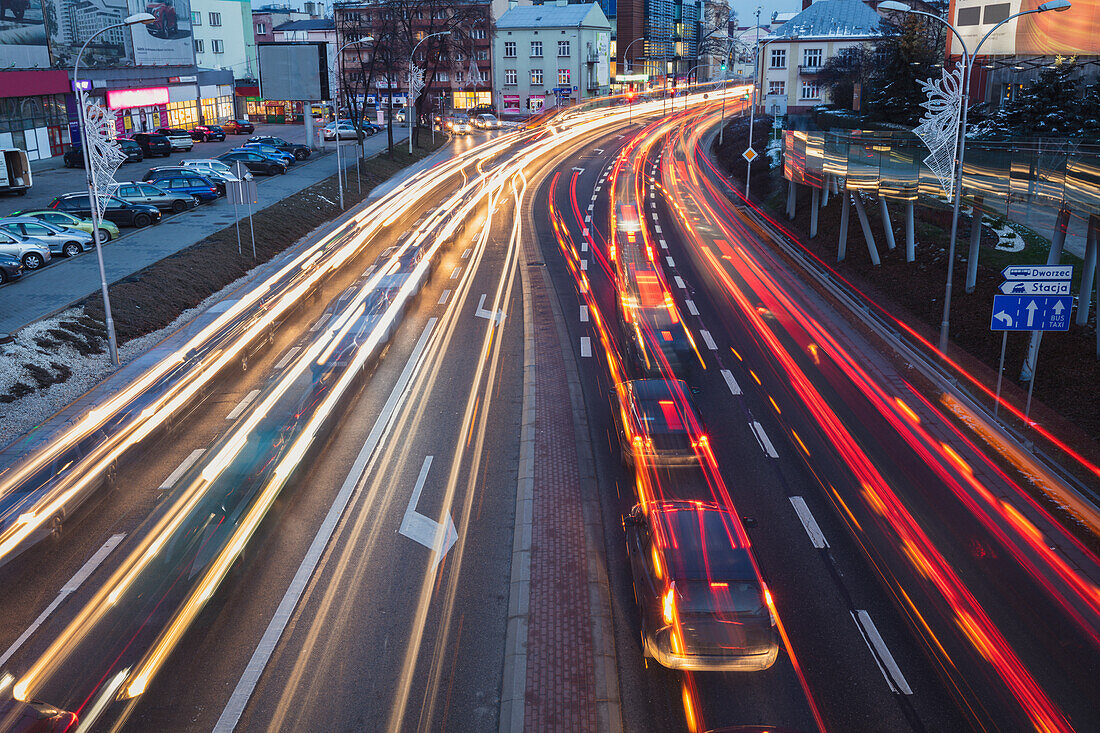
(975, 246)
(872, 249)
(842, 242)
(1089, 272)
(1057, 243)
(910, 234)
(792, 197)
(887, 225)
(815, 204)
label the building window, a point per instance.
(536, 49)
(563, 48)
(261, 29)
(442, 76)
(510, 77)
(811, 58)
(215, 19)
(196, 18)
(478, 33)
(509, 49)
(536, 77)
(779, 58)
(811, 90)
(563, 77)
(198, 45)
(776, 88)
(483, 76)
(217, 46)
(482, 54)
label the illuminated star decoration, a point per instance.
(939, 127)
(104, 153)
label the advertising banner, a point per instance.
(167, 40)
(69, 23)
(23, 35)
(1073, 32)
(511, 102)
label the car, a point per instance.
(481, 109)
(180, 139)
(256, 163)
(238, 127)
(347, 131)
(299, 151)
(120, 212)
(74, 156)
(207, 133)
(165, 23)
(31, 252)
(11, 268)
(162, 170)
(181, 181)
(108, 230)
(703, 604)
(60, 240)
(402, 115)
(370, 128)
(215, 170)
(459, 124)
(271, 152)
(139, 192)
(658, 423)
(153, 144)
(35, 717)
(486, 122)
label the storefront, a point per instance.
(138, 110)
(192, 103)
(511, 103)
(34, 113)
(465, 100)
(535, 103)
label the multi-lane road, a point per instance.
(333, 538)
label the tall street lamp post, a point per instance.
(412, 102)
(93, 204)
(630, 68)
(336, 123)
(968, 65)
(758, 83)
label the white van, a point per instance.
(15, 172)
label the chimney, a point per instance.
(806, 4)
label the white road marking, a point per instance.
(671, 262)
(584, 264)
(657, 228)
(489, 315)
(598, 188)
(663, 243)
(817, 537)
(735, 388)
(467, 252)
(592, 206)
(443, 298)
(584, 232)
(883, 658)
(653, 205)
(368, 271)
(654, 215)
(587, 218)
(231, 715)
(586, 346)
(708, 339)
(66, 590)
(436, 536)
(691, 307)
(763, 439)
(181, 469)
(597, 151)
(320, 322)
(243, 405)
(455, 272)
(584, 246)
(584, 314)
(680, 282)
(578, 170)
(287, 357)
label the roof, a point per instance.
(313, 24)
(832, 19)
(553, 16)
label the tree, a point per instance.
(714, 35)
(910, 51)
(1054, 105)
(842, 72)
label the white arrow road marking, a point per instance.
(817, 537)
(883, 658)
(763, 439)
(490, 315)
(597, 151)
(436, 536)
(181, 469)
(578, 170)
(66, 590)
(243, 405)
(735, 388)
(287, 357)
(1002, 316)
(691, 307)
(1031, 308)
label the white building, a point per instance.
(551, 54)
(224, 37)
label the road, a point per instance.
(329, 539)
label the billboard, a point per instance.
(294, 70)
(23, 35)
(165, 42)
(1073, 32)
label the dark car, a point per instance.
(657, 423)
(187, 182)
(10, 268)
(207, 133)
(254, 162)
(35, 717)
(74, 156)
(153, 144)
(702, 602)
(120, 212)
(481, 109)
(238, 127)
(299, 151)
(215, 177)
(140, 192)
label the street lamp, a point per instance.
(336, 123)
(758, 83)
(630, 68)
(412, 101)
(135, 19)
(968, 64)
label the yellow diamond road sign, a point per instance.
(749, 154)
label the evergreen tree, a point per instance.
(1051, 106)
(908, 53)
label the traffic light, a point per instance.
(723, 66)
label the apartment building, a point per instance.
(224, 37)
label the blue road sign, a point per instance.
(1031, 312)
(1038, 272)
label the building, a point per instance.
(549, 55)
(791, 61)
(307, 8)
(224, 37)
(743, 43)
(266, 18)
(658, 38)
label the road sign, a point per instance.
(750, 155)
(1035, 287)
(1031, 313)
(1038, 272)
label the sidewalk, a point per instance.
(66, 281)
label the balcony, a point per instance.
(809, 70)
(593, 56)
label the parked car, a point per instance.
(238, 127)
(74, 156)
(10, 268)
(347, 131)
(207, 133)
(256, 163)
(486, 122)
(15, 171)
(120, 212)
(149, 193)
(370, 128)
(180, 139)
(153, 144)
(165, 23)
(108, 230)
(181, 181)
(60, 240)
(299, 151)
(162, 170)
(215, 169)
(31, 252)
(271, 152)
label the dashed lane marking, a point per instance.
(443, 298)
(883, 658)
(181, 469)
(763, 439)
(584, 314)
(671, 262)
(455, 273)
(691, 307)
(287, 357)
(586, 346)
(817, 537)
(735, 388)
(243, 405)
(680, 282)
(708, 339)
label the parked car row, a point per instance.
(166, 140)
